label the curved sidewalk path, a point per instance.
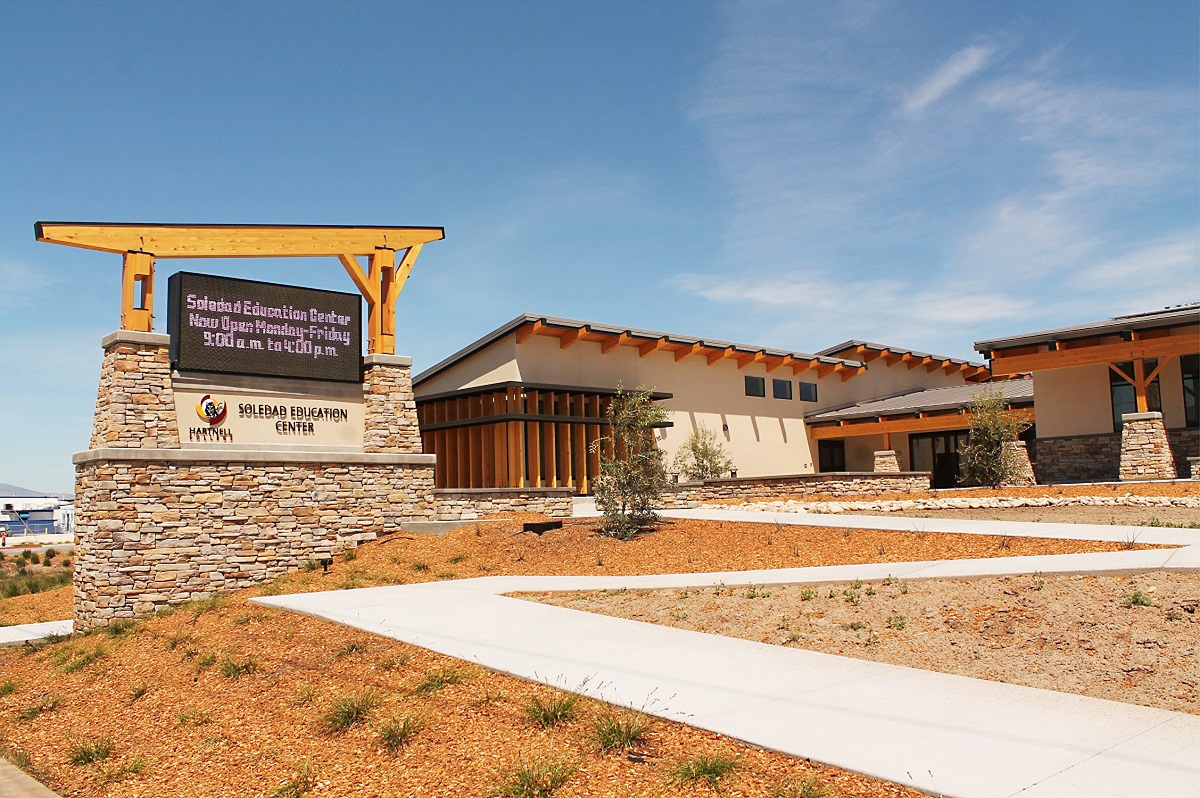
(949, 735)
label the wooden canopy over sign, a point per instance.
(647, 343)
(380, 282)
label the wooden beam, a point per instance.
(751, 358)
(691, 349)
(1182, 340)
(934, 364)
(529, 330)
(799, 366)
(613, 341)
(779, 363)
(891, 358)
(359, 276)
(868, 354)
(233, 240)
(913, 423)
(652, 346)
(717, 355)
(825, 369)
(846, 372)
(912, 361)
(381, 276)
(137, 292)
(571, 337)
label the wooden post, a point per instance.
(137, 292)
(1139, 385)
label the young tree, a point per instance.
(702, 456)
(632, 472)
(985, 459)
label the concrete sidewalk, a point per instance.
(946, 734)
(24, 632)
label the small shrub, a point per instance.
(7, 687)
(235, 670)
(348, 711)
(1137, 599)
(207, 661)
(193, 717)
(47, 703)
(896, 621)
(310, 565)
(811, 788)
(350, 649)
(702, 456)
(538, 779)
(137, 691)
(632, 470)
(436, 680)
(808, 594)
(393, 663)
(66, 563)
(620, 733)
(395, 734)
(707, 768)
(457, 558)
(299, 785)
(557, 709)
(83, 660)
(85, 753)
(854, 626)
(420, 566)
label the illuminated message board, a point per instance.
(220, 324)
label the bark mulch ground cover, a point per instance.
(1133, 638)
(220, 698)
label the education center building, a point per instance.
(521, 406)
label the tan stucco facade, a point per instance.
(1078, 401)
(763, 435)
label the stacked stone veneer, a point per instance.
(391, 410)
(1097, 458)
(1022, 469)
(464, 504)
(1145, 450)
(887, 461)
(135, 405)
(167, 527)
(159, 525)
(693, 494)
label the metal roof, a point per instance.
(897, 350)
(646, 335)
(952, 398)
(1166, 317)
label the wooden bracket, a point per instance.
(137, 292)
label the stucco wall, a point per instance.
(1078, 401)
(496, 363)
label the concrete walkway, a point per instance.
(946, 734)
(24, 632)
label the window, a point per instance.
(831, 456)
(1124, 397)
(781, 389)
(1190, 366)
(808, 392)
(756, 386)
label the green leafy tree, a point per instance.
(702, 456)
(633, 473)
(985, 459)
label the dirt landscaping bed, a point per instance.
(222, 698)
(1133, 638)
(1108, 489)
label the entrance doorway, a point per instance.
(938, 453)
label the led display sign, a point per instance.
(219, 324)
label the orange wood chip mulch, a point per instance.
(227, 699)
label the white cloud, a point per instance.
(960, 66)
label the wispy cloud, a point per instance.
(1033, 176)
(960, 66)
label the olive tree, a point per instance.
(986, 460)
(702, 456)
(633, 473)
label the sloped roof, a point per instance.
(1165, 317)
(956, 397)
(896, 350)
(634, 337)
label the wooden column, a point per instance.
(137, 292)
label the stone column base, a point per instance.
(887, 460)
(1022, 469)
(1145, 450)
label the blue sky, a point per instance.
(789, 174)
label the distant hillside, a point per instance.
(17, 492)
